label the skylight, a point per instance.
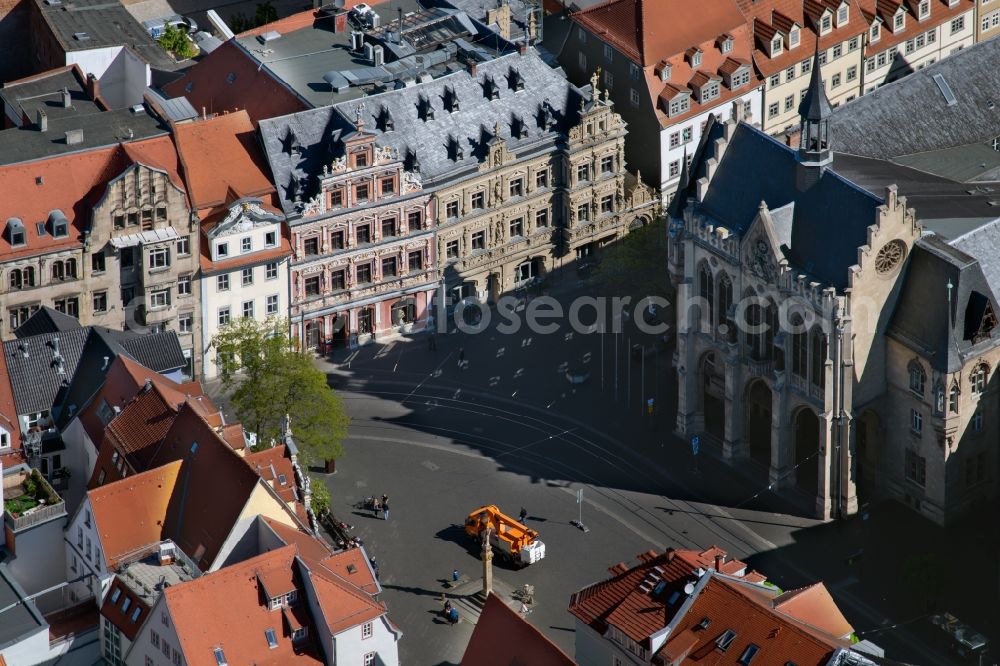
(748, 654)
(220, 657)
(726, 639)
(945, 89)
(272, 639)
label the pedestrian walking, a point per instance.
(376, 505)
(385, 509)
(461, 356)
(524, 514)
(454, 576)
(432, 343)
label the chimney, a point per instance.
(149, 384)
(204, 116)
(473, 67)
(522, 48)
(93, 87)
(55, 346)
(74, 137)
(399, 35)
(43, 121)
(719, 559)
(67, 101)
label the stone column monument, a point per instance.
(487, 556)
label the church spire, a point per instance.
(814, 114)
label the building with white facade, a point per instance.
(664, 81)
(244, 271)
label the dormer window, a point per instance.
(924, 9)
(899, 20)
(694, 57)
(664, 70)
(361, 159)
(776, 45)
(876, 32)
(726, 43)
(678, 105)
(843, 15)
(709, 91)
(825, 23)
(58, 224)
(793, 37)
(15, 232)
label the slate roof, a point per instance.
(973, 162)
(943, 337)
(46, 320)
(21, 617)
(37, 383)
(943, 206)
(830, 219)
(430, 140)
(911, 115)
(502, 637)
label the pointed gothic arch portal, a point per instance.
(758, 422)
(807, 450)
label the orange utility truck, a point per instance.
(515, 542)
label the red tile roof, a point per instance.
(502, 637)
(344, 606)
(273, 464)
(941, 13)
(252, 88)
(731, 605)
(645, 599)
(112, 610)
(8, 411)
(227, 609)
(222, 160)
(72, 184)
(633, 599)
(130, 514)
(653, 30)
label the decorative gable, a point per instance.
(761, 249)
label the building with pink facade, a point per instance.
(363, 264)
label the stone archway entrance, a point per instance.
(758, 422)
(713, 395)
(807, 451)
(866, 455)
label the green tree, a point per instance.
(637, 265)
(320, 497)
(266, 13)
(268, 380)
(176, 41)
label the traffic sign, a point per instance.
(694, 444)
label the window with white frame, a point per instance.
(899, 20)
(978, 378)
(876, 32)
(776, 45)
(222, 282)
(916, 421)
(837, 51)
(185, 323)
(634, 71)
(183, 246)
(793, 37)
(369, 659)
(159, 258)
(853, 43)
(184, 285)
(159, 299)
(222, 250)
(246, 244)
(271, 271)
(957, 24)
(271, 305)
(842, 15)
(224, 315)
(366, 630)
(924, 10)
(246, 276)
(917, 378)
(775, 80)
(825, 24)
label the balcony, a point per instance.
(29, 500)
(361, 291)
(760, 368)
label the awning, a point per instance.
(145, 237)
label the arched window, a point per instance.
(771, 313)
(818, 357)
(800, 347)
(14, 279)
(706, 292)
(978, 378)
(939, 398)
(57, 270)
(953, 399)
(724, 301)
(917, 377)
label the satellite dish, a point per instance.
(689, 589)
